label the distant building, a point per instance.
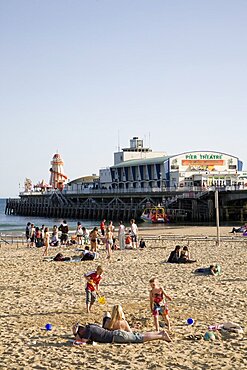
(137, 167)
(84, 182)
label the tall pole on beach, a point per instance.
(216, 197)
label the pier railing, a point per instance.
(91, 191)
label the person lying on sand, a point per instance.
(95, 333)
(116, 320)
(61, 257)
(211, 270)
(240, 229)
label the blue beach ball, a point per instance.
(48, 326)
(190, 321)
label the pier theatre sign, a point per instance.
(204, 161)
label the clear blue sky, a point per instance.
(77, 74)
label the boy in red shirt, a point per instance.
(93, 279)
(158, 305)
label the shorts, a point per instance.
(134, 238)
(160, 310)
(120, 336)
(64, 237)
(90, 296)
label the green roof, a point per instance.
(141, 162)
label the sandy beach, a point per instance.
(36, 292)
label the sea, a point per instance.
(15, 225)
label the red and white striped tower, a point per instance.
(58, 178)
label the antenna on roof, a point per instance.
(149, 141)
(118, 140)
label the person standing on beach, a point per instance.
(79, 233)
(158, 306)
(109, 242)
(42, 230)
(46, 241)
(85, 235)
(32, 235)
(64, 228)
(102, 227)
(92, 287)
(134, 233)
(121, 235)
(28, 232)
(94, 235)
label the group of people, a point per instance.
(38, 237)
(115, 328)
(183, 256)
(59, 235)
(122, 238)
(179, 255)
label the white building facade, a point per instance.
(137, 167)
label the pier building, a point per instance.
(183, 183)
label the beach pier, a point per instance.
(181, 206)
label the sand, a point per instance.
(34, 293)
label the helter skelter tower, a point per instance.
(58, 178)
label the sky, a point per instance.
(82, 77)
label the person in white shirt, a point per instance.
(134, 233)
(121, 235)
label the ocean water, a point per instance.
(15, 225)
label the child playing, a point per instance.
(158, 306)
(92, 287)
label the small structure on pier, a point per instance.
(58, 177)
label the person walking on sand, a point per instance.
(46, 241)
(158, 306)
(121, 235)
(93, 279)
(134, 233)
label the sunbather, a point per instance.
(116, 320)
(211, 270)
(95, 333)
